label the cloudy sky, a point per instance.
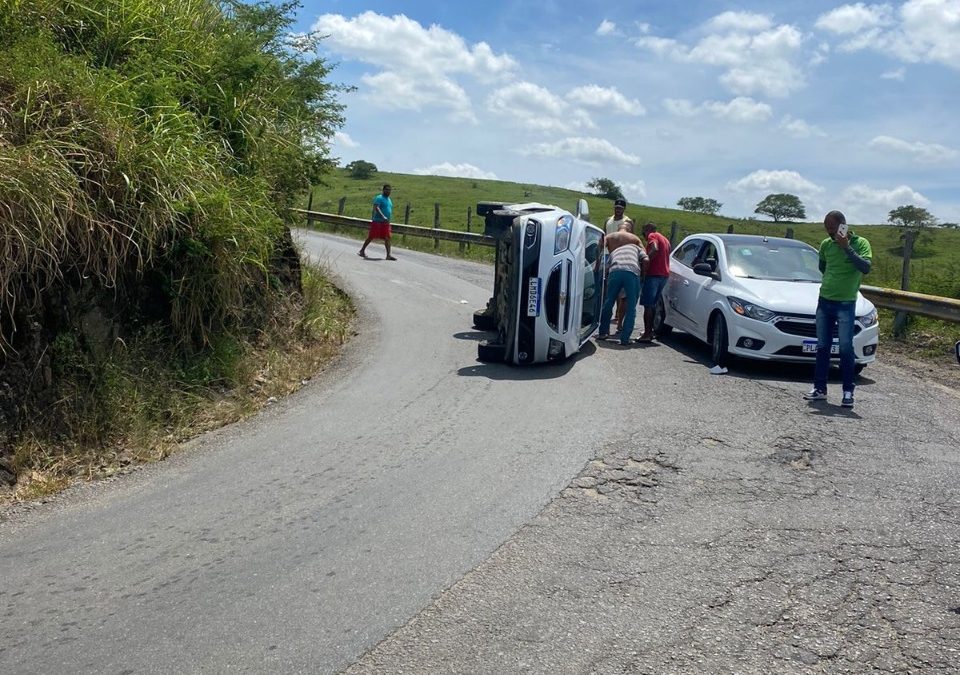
(849, 106)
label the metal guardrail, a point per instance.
(945, 309)
(414, 230)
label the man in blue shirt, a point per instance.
(380, 222)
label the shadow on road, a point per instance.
(475, 335)
(539, 371)
(699, 352)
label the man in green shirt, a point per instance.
(844, 259)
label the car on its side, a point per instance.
(548, 285)
(755, 297)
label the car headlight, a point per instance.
(561, 241)
(750, 310)
(868, 319)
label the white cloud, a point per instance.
(634, 191)
(606, 27)
(534, 107)
(927, 153)
(342, 139)
(799, 128)
(739, 21)
(850, 19)
(756, 57)
(456, 170)
(607, 99)
(898, 74)
(593, 151)
(422, 68)
(740, 109)
(406, 91)
(864, 204)
(775, 181)
(921, 31)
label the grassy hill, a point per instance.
(935, 268)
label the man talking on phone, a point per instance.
(844, 259)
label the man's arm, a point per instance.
(862, 263)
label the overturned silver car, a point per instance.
(548, 287)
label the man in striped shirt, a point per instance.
(628, 263)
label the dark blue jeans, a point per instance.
(628, 282)
(832, 313)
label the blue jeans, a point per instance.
(841, 314)
(629, 283)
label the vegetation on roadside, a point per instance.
(148, 154)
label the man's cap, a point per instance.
(620, 202)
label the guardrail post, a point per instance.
(673, 233)
(436, 222)
(469, 220)
(310, 201)
(789, 234)
(340, 205)
(900, 320)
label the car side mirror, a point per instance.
(583, 210)
(704, 270)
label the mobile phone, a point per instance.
(842, 230)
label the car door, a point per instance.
(701, 293)
(677, 295)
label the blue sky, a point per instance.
(850, 106)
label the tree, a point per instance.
(911, 216)
(361, 169)
(604, 187)
(700, 205)
(781, 206)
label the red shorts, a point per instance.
(379, 230)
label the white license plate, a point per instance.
(810, 347)
(533, 297)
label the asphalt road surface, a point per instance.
(414, 510)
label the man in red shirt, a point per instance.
(658, 271)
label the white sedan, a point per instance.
(755, 297)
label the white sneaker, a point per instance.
(718, 370)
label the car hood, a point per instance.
(795, 297)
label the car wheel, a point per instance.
(718, 340)
(485, 321)
(859, 368)
(491, 353)
(660, 326)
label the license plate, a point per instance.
(533, 297)
(810, 347)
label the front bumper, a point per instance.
(783, 339)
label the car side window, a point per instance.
(708, 254)
(687, 252)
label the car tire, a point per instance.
(857, 369)
(491, 353)
(718, 340)
(661, 328)
(484, 321)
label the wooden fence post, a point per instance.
(673, 233)
(463, 244)
(730, 228)
(900, 320)
(343, 202)
(789, 233)
(309, 209)
(406, 214)
(436, 222)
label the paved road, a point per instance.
(725, 525)
(298, 540)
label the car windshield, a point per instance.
(773, 260)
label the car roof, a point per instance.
(746, 239)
